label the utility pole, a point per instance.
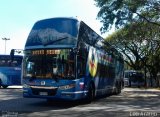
(5, 39)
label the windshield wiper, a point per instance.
(32, 78)
(69, 77)
(57, 77)
(53, 41)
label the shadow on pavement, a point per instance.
(128, 101)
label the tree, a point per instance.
(119, 13)
(126, 43)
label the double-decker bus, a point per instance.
(10, 70)
(65, 59)
(133, 78)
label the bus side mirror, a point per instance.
(12, 54)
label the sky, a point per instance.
(18, 16)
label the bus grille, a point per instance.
(49, 92)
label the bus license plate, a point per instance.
(43, 93)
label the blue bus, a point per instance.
(10, 70)
(65, 59)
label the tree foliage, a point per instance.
(119, 13)
(139, 42)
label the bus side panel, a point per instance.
(10, 76)
(100, 70)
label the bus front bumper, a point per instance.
(59, 95)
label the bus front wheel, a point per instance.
(4, 86)
(0, 82)
(91, 93)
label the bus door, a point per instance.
(81, 63)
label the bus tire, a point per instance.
(4, 86)
(115, 91)
(49, 101)
(118, 88)
(0, 83)
(91, 93)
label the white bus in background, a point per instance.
(133, 78)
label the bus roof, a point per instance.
(6, 55)
(63, 32)
(70, 18)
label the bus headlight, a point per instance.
(65, 87)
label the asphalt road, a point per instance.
(132, 102)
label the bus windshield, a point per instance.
(61, 31)
(49, 63)
(5, 61)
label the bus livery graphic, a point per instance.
(65, 59)
(93, 62)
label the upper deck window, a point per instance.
(56, 31)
